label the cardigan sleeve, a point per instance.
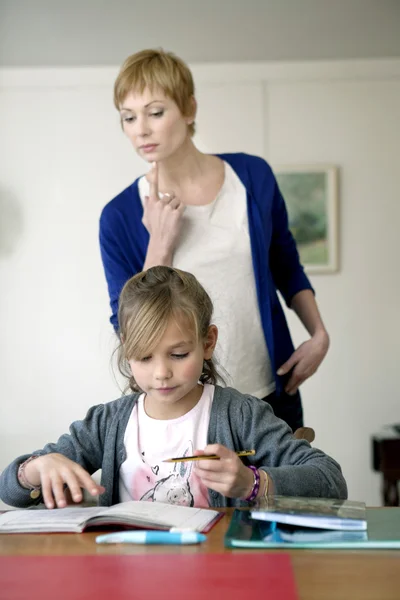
(117, 268)
(287, 272)
(296, 468)
(83, 444)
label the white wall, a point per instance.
(63, 157)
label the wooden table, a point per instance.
(320, 575)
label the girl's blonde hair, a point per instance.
(157, 69)
(147, 303)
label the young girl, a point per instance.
(167, 343)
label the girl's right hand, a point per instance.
(162, 217)
(52, 472)
(228, 475)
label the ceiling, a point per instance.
(100, 32)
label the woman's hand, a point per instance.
(162, 218)
(52, 472)
(305, 360)
(228, 476)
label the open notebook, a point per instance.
(146, 515)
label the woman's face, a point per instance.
(154, 124)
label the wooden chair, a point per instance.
(305, 433)
(386, 459)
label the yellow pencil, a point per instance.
(207, 456)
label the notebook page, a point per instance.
(60, 519)
(165, 515)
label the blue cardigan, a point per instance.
(124, 241)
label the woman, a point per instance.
(219, 217)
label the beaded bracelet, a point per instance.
(35, 490)
(256, 485)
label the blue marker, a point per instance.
(151, 537)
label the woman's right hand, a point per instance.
(162, 218)
(52, 472)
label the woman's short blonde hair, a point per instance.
(157, 69)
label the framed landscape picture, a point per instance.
(311, 197)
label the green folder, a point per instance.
(383, 531)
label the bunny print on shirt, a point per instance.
(175, 488)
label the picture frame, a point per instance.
(310, 192)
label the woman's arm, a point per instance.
(163, 220)
(156, 255)
(305, 307)
(306, 359)
(290, 279)
(284, 261)
(133, 239)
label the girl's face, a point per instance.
(154, 124)
(169, 375)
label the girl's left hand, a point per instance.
(304, 361)
(228, 476)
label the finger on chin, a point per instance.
(150, 176)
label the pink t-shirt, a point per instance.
(143, 475)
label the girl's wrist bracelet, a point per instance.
(35, 490)
(265, 494)
(256, 485)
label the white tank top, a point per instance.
(214, 245)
